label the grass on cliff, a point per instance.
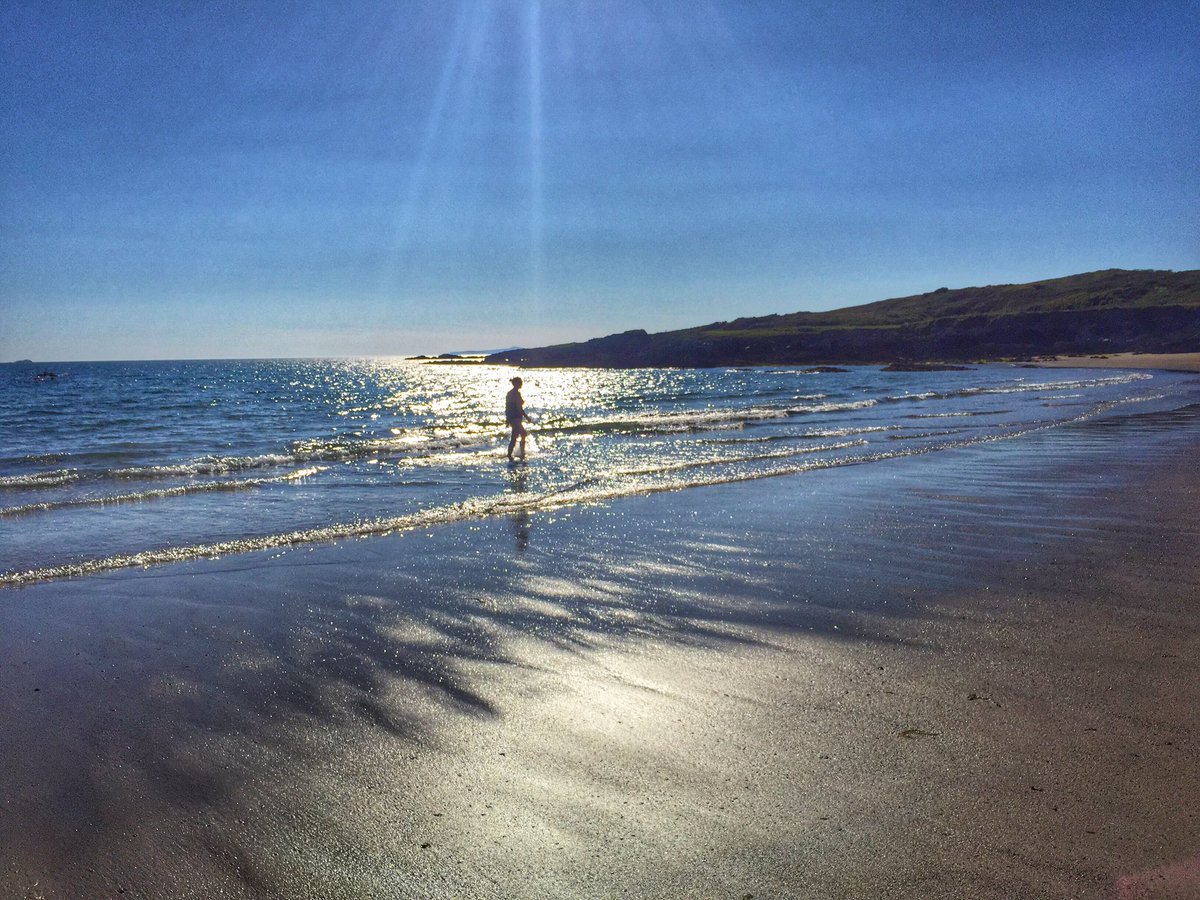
(1108, 289)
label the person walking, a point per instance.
(515, 416)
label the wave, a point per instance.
(160, 494)
(700, 420)
(657, 481)
(724, 461)
(921, 435)
(849, 431)
(416, 443)
(1022, 388)
(852, 430)
(476, 508)
(424, 443)
(206, 465)
(404, 442)
(39, 479)
(959, 415)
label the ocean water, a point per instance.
(115, 465)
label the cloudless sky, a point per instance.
(278, 178)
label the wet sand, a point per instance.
(939, 677)
(1179, 362)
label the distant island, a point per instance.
(1111, 311)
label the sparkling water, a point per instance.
(109, 465)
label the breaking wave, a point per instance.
(649, 481)
(39, 479)
(160, 494)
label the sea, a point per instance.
(116, 465)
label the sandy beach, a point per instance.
(599, 451)
(936, 678)
(1179, 362)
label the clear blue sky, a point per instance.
(283, 178)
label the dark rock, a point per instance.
(924, 367)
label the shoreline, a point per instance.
(932, 676)
(1173, 362)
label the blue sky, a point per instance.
(363, 178)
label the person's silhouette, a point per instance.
(515, 416)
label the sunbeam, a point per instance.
(536, 150)
(407, 205)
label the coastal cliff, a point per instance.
(1110, 311)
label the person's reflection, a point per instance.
(522, 520)
(520, 527)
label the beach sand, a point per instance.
(935, 677)
(1179, 362)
